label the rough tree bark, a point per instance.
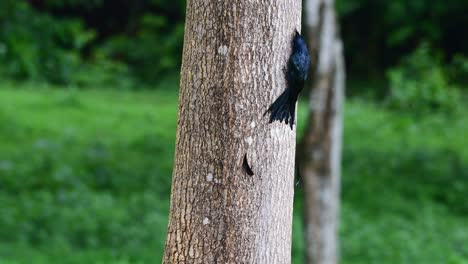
(232, 70)
(321, 152)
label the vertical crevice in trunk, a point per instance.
(320, 154)
(232, 70)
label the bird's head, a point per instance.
(298, 41)
(296, 34)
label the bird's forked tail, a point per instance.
(283, 109)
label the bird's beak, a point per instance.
(297, 33)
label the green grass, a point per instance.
(84, 175)
(85, 178)
(404, 187)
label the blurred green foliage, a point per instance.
(420, 85)
(85, 178)
(378, 33)
(458, 70)
(151, 55)
(74, 41)
(90, 42)
(78, 172)
(36, 46)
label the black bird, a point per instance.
(284, 108)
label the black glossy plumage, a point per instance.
(284, 107)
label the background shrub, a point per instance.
(420, 85)
(36, 46)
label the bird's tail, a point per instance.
(283, 109)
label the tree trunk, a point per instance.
(232, 70)
(321, 152)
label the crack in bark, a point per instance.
(246, 166)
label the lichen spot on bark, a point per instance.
(249, 140)
(223, 50)
(191, 252)
(252, 124)
(206, 221)
(209, 177)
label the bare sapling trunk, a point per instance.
(321, 151)
(232, 70)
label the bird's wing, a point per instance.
(299, 65)
(296, 63)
